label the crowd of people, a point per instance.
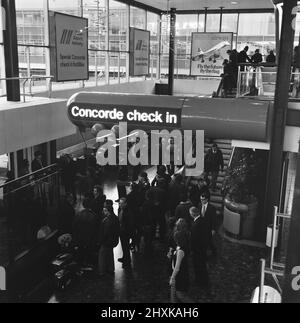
(232, 63)
(171, 209)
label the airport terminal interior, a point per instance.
(149, 151)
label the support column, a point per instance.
(47, 41)
(277, 32)
(221, 19)
(128, 45)
(172, 50)
(291, 290)
(107, 65)
(11, 50)
(205, 19)
(280, 111)
(2, 59)
(158, 65)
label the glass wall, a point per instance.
(109, 41)
(153, 27)
(213, 23)
(185, 26)
(137, 18)
(165, 40)
(70, 7)
(257, 31)
(230, 23)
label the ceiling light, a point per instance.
(234, 2)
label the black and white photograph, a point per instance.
(149, 154)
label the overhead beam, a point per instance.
(140, 5)
(225, 11)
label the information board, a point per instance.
(69, 47)
(139, 52)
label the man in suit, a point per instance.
(209, 212)
(213, 162)
(126, 219)
(201, 234)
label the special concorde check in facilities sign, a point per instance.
(69, 47)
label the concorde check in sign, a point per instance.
(208, 53)
(69, 47)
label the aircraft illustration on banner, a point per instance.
(212, 54)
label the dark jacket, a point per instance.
(271, 58)
(66, 217)
(211, 216)
(183, 212)
(196, 192)
(257, 58)
(97, 204)
(85, 229)
(174, 194)
(214, 161)
(200, 236)
(243, 57)
(147, 213)
(126, 219)
(109, 231)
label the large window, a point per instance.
(185, 26)
(30, 22)
(137, 18)
(213, 23)
(152, 26)
(260, 36)
(230, 23)
(118, 24)
(95, 12)
(109, 43)
(71, 7)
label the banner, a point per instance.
(139, 52)
(208, 53)
(69, 47)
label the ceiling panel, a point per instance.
(211, 4)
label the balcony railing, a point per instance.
(260, 81)
(26, 205)
(31, 79)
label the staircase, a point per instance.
(225, 146)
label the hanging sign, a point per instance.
(139, 52)
(69, 47)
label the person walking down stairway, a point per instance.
(213, 163)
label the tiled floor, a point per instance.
(234, 278)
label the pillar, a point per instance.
(11, 50)
(274, 177)
(172, 50)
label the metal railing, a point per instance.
(31, 79)
(26, 205)
(260, 81)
